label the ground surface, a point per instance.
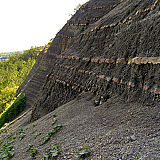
(113, 130)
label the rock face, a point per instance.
(109, 47)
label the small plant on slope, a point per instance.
(6, 151)
(21, 134)
(50, 133)
(81, 30)
(33, 151)
(85, 152)
(51, 153)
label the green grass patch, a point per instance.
(13, 110)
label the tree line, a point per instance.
(12, 73)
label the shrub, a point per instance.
(21, 134)
(12, 111)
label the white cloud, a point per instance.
(26, 23)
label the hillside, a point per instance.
(13, 72)
(113, 130)
(100, 77)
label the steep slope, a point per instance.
(113, 130)
(116, 55)
(85, 17)
(100, 77)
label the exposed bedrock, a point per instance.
(117, 53)
(84, 18)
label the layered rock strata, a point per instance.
(108, 47)
(85, 17)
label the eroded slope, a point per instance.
(119, 53)
(84, 18)
(113, 130)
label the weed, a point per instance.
(33, 151)
(51, 153)
(1, 141)
(6, 151)
(50, 133)
(85, 152)
(21, 134)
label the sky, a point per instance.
(26, 23)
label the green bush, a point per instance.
(12, 111)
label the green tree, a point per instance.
(13, 72)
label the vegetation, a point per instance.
(54, 119)
(21, 134)
(51, 153)
(13, 72)
(36, 134)
(7, 141)
(33, 151)
(85, 152)
(50, 133)
(81, 30)
(6, 151)
(12, 111)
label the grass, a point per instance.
(13, 111)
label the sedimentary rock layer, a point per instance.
(108, 47)
(83, 18)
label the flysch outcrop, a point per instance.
(86, 16)
(99, 78)
(109, 47)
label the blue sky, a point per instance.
(26, 23)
